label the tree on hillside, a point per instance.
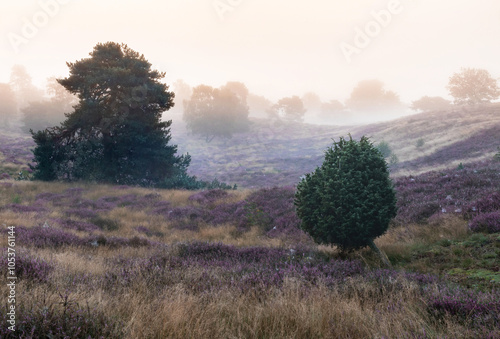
(22, 85)
(331, 107)
(384, 149)
(258, 105)
(370, 95)
(39, 115)
(8, 106)
(331, 110)
(349, 200)
(217, 112)
(312, 102)
(239, 89)
(290, 108)
(427, 104)
(114, 134)
(473, 86)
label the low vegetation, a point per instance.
(120, 261)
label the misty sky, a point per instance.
(276, 47)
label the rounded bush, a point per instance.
(349, 200)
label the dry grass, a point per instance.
(355, 309)
(288, 312)
(450, 227)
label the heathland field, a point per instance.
(127, 262)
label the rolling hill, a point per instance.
(278, 153)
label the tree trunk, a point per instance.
(381, 254)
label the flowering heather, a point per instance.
(76, 225)
(82, 213)
(55, 199)
(267, 205)
(74, 191)
(210, 267)
(27, 266)
(477, 307)
(87, 203)
(209, 197)
(267, 208)
(161, 207)
(486, 222)
(47, 196)
(16, 150)
(450, 191)
(239, 268)
(49, 237)
(147, 231)
(482, 142)
(227, 213)
(60, 319)
(128, 200)
(18, 208)
(390, 277)
(4, 176)
(115, 242)
(487, 204)
(186, 218)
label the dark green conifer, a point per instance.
(349, 200)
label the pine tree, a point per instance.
(115, 134)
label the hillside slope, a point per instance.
(278, 153)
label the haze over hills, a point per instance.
(278, 153)
(275, 152)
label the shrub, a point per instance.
(420, 143)
(106, 224)
(394, 160)
(486, 222)
(349, 200)
(185, 181)
(385, 149)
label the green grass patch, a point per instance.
(473, 261)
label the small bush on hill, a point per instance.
(349, 200)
